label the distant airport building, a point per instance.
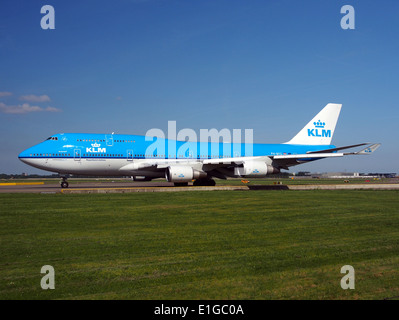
(349, 175)
(384, 175)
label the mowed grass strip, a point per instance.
(200, 245)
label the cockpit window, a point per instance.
(52, 138)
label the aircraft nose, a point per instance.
(24, 156)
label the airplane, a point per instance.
(129, 155)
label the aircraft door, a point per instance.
(109, 140)
(129, 155)
(77, 154)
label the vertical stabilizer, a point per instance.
(320, 130)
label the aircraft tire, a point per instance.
(64, 184)
(181, 184)
(205, 182)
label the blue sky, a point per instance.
(131, 65)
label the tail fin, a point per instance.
(320, 130)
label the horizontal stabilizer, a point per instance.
(368, 150)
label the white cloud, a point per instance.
(5, 94)
(25, 108)
(51, 109)
(34, 98)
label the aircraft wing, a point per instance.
(233, 161)
(285, 161)
(217, 167)
(131, 167)
(280, 161)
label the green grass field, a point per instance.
(200, 245)
(231, 181)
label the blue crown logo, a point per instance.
(255, 171)
(181, 175)
(319, 124)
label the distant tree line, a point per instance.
(5, 176)
(26, 176)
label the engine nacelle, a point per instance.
(255, 169)
(183, 174)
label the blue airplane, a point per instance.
(181, 162)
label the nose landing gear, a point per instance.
(64, 183)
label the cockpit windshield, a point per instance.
(52, 138)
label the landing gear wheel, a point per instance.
(205, 182)
(181, 184)
(64, 184)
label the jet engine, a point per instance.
(255, 169)
(183, 174)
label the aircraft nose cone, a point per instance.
(23, 160)
(23, 156)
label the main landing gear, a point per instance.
(204, 182)
(181, 184)
(64, 183)
(198, 182)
